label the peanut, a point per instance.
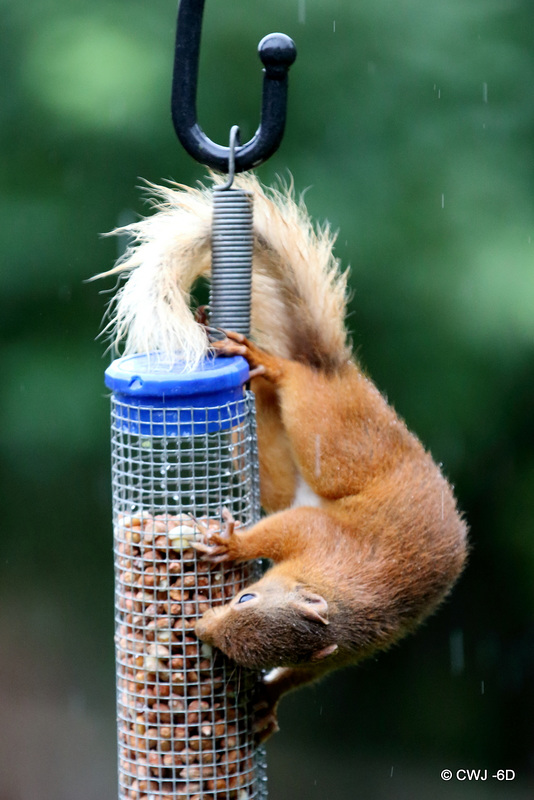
(175, 740)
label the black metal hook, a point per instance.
(277, 52)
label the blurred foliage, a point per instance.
(412, 124)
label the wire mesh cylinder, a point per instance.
(231, 265)
(183, 448)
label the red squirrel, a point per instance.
(362, 528)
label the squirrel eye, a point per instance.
(245, 598)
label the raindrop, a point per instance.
(482, 687)
(302, 12)
(485, 92)
(443, 201)
(334, 28)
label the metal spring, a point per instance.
(231, 270)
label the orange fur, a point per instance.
(380, 552)
(277, 468)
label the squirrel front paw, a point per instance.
(218, 546)
(265, 713)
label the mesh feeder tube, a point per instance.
(183, 448)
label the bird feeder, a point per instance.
(183, 449)
(184, 463)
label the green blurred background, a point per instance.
(413, 125)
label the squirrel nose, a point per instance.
(202, 630)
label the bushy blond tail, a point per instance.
(298, 291)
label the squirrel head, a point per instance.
(275, 622)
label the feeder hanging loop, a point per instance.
(234, 144)
(277, 52)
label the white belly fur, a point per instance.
(304, 496)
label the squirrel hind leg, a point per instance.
(274, 686)
(261, 363)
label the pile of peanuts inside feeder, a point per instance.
(184, 731)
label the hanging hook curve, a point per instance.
(277, 52)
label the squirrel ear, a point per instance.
(312, 606)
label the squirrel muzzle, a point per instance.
(268, 625)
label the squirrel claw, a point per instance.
(260, 363)
(201, 316)
(215, 551)
(256, 372)
(228, 517)
(227, 347)
(211, 553)
(233, 336)
(261, 736)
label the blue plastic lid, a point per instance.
(155, 376)
(155, 397)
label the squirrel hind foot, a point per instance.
(260, 362)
